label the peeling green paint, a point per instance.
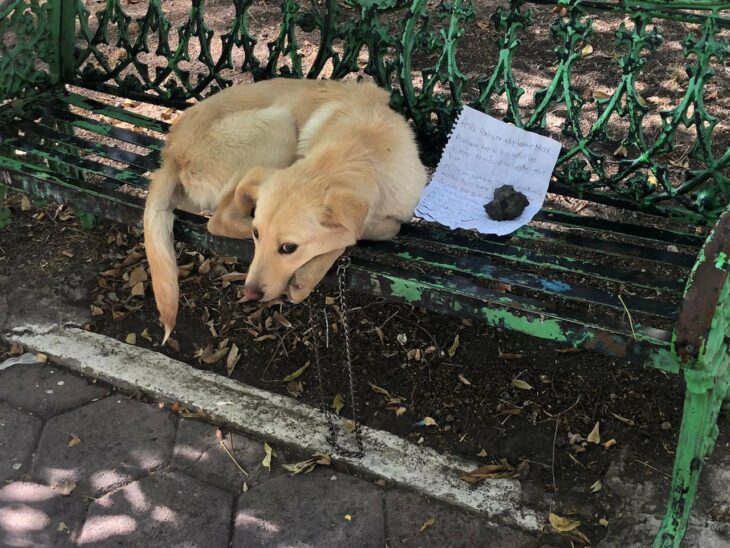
(721, 261)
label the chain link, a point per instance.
(344, 263)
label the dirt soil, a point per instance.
(488, 397)
(435, 380)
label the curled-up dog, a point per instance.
(323, 163)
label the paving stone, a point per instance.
(36, 515)
(309, 510)
(45, 390)
(120, 441)
(408, 512)
(18, 437)
(164, 509)
(199, 453)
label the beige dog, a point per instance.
(355, 175)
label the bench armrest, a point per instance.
(702, 293)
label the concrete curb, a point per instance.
(275, 418)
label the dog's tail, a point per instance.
(160, 246)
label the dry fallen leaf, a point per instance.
(96, 311)
(522, 385)
(65, 488)
(624, 419)
(232, 359)
(338, 403)
(464, 380)
(266, 463)
(131, 338)
(68, 254)
(599, 95)
(380, 334)
(426, 524)
(569, 350)
(621, 151)
(137, 275)
(146, 335)
(428, 421)
(41, 358)
(482, 453)
(561, 524)
(510, 355)
(233, 277)
(308, 465)
(138, 290)
(172, 343)
(74, 441)
(595, 435)
(329, 301)
(603, 522)
(348, 517)
(216, 356)
(610, 443)
(282, 321)
(454, 346)
(381, 391)
(24, 203)
(587, 50)
(490, 471)
(296, 373)
(295, 388)
(597, 486)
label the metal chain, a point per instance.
(342, 267)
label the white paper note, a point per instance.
(482, 154)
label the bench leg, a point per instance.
(707, 388)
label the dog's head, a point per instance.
(301, 212)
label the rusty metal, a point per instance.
(703, 292)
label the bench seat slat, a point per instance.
(55, 110)
(135, 162)
(628, 229)
(481, 268)
(111, 111)
(114, 177)
(420, 234)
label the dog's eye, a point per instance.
(287, 249)
(255, 232)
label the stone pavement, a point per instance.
(82, 464)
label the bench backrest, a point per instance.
(661, 153)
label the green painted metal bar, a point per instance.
(595, 245)
(134, 162)
(41, 153)
(104, 129)
(633, 230)
(419, 235)
(110, 111)
(481, 268)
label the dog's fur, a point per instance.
(324, 163)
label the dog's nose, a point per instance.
(252, 293)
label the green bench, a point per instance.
(655, 293)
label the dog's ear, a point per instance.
(247, 190)
(345, 209)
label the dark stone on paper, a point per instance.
(507, 204)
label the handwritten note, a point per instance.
(481, 155)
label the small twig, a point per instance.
(655, 469)
(631, 320)
(223, 445)
(555, 437)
